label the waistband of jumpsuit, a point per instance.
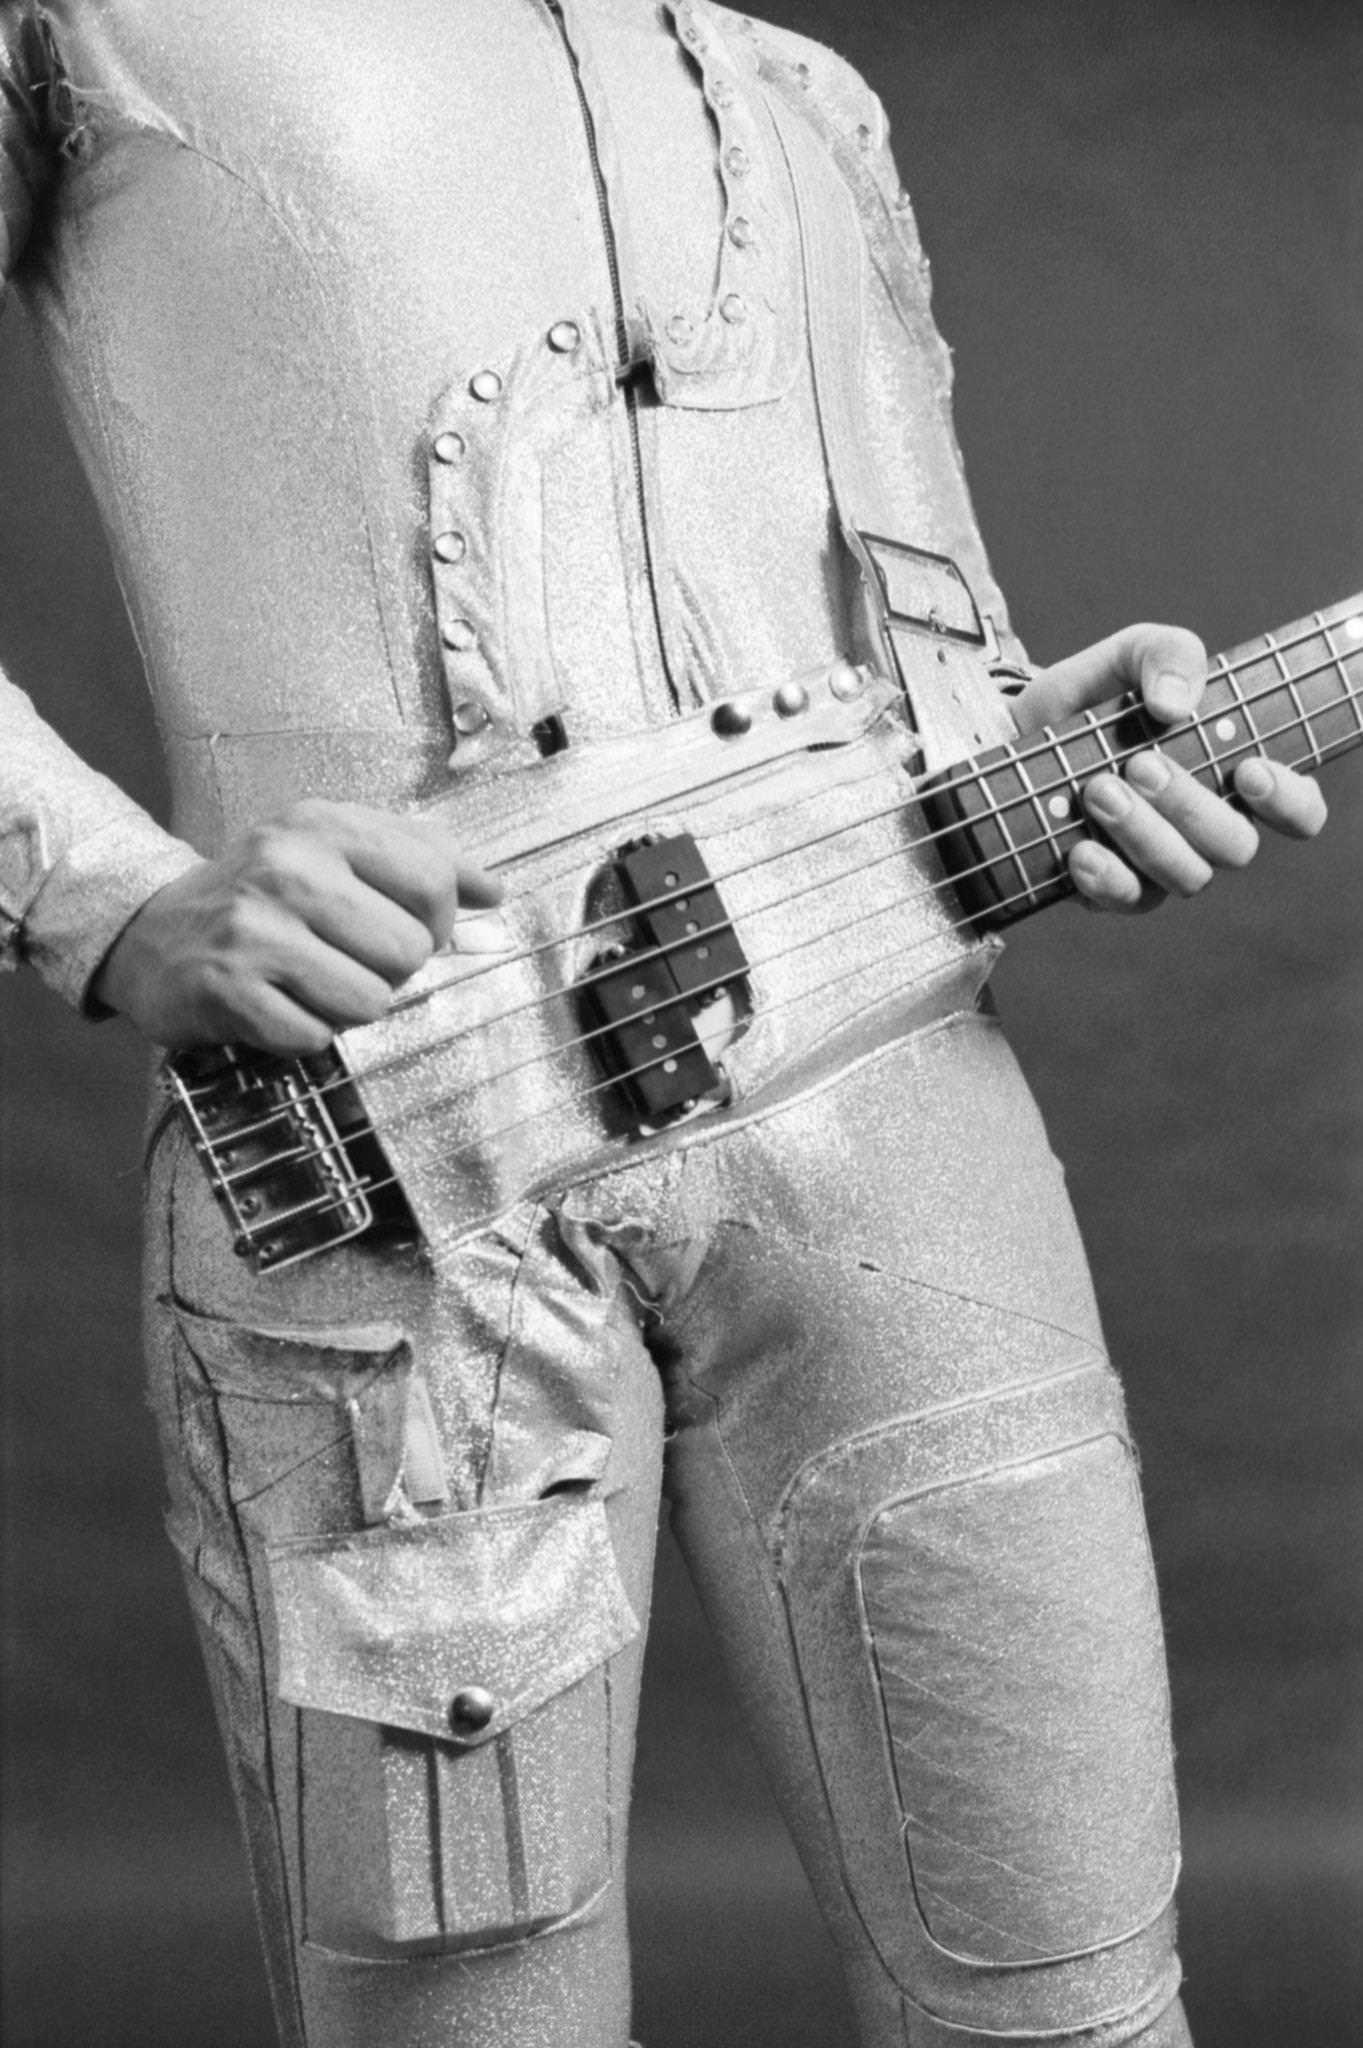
(223, 782)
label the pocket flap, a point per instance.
(499, 1609)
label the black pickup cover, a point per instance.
(645, 1005)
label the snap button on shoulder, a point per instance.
(486, 385)
(741, 232)
(449, 447)
(679, 329)
(450, 547)
(736, 161)
(470, 717)
(471, 1709)
(864, 136)
(722, 93)
(734, 308)
(459, 635)
(564, 337)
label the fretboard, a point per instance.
(1010, 817)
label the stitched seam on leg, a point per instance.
(774, 1228)
(775, 1597)
(295, 1929)
(849, 1448)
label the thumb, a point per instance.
(1167, 664)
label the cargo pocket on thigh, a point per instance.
(454, 1732)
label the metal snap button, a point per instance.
(730, 718)
(470, 716)
(734, 308)
(449, 447)
(487, 385)
(450, 547)
(741, 232)
(564, 337)
(471, 1711)
(790, 699)
(459, 636)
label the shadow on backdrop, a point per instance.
(1147, 228)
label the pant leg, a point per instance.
(902, 1480)
(391, 1489)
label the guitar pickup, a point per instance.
(645, 1001)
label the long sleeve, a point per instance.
(77, 856)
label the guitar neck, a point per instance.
(1010, 817)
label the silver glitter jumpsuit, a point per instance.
(442, 369)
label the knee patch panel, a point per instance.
(976, 1627)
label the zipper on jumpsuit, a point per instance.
(626, 366)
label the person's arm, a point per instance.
(77, 856)
(301, 926)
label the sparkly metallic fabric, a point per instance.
(441, 369)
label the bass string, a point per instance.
(1047, 744)
(321, 1205)
(395, 1061)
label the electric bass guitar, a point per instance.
(737, 904)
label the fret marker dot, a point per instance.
(1225, 728)
(1060, 807)
(1353, 628)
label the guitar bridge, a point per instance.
(289, 1152)
(644, 1001)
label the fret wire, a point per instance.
(1029, 786)
(1072, 784)
(1293, 692)
(986, 786)
(1238, 693)
(1350, 696)
(1028, 892)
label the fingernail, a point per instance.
(1170, 695)
(1107, 799)
(1254, 778)
(1149, 772)
(481, 931)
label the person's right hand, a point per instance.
(302, 926)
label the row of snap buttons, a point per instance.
(449, 447)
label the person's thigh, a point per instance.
(416, 1513)
(902, 1479)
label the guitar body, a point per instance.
(487, 1083)
(702, 920)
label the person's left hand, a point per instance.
(1166, 833)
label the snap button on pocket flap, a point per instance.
(456, 1627)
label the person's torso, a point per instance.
(338, 297)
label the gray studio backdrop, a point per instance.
(1146, 221)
